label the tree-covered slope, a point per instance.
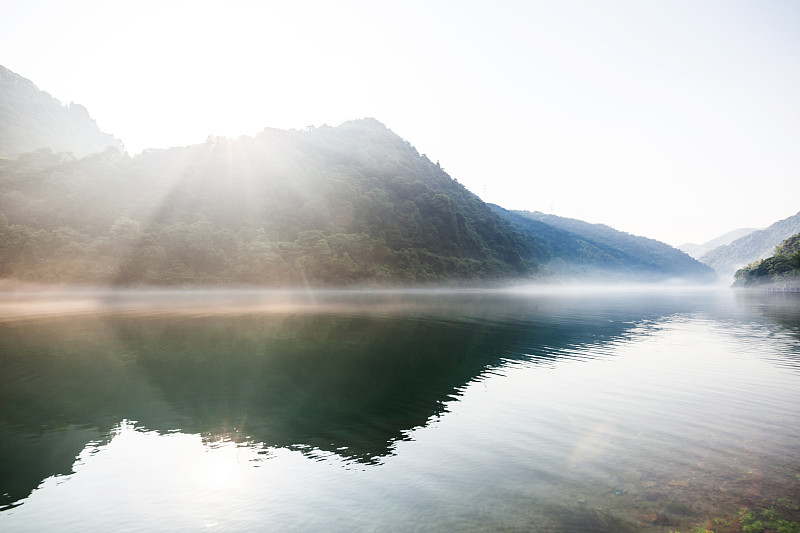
(330, 205)
(350, 204)
(781, 268)
(31, 119)
(757, 245)
(573, 247)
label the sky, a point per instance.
(676, 120)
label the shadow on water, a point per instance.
(350, 375)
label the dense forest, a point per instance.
(782, 268)
(343, 205)
(353, 204)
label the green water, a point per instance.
(591, 410)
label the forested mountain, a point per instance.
(757, 245)
(339, 205)
(782, 268)
(575, 248)
(31, 119)
(698, 250)
(343, 205)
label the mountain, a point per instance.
(697, 250)
(341, 205)
(759, 244)
(782, 270)
(31, 119)
(329, 205)
(573, 248)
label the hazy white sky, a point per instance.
(676, 120)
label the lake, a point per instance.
(525, 409)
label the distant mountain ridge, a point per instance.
(698, 250)
(31, 119)
(575, 248)
(760, 244)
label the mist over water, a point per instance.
(536, 408)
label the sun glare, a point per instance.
(222, 458)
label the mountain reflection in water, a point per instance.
(347, 373)
(344, 374)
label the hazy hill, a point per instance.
(757, 245)
(575, 248)
(31, 119)
(350, 204)
(697, 250)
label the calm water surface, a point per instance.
(524, 410)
